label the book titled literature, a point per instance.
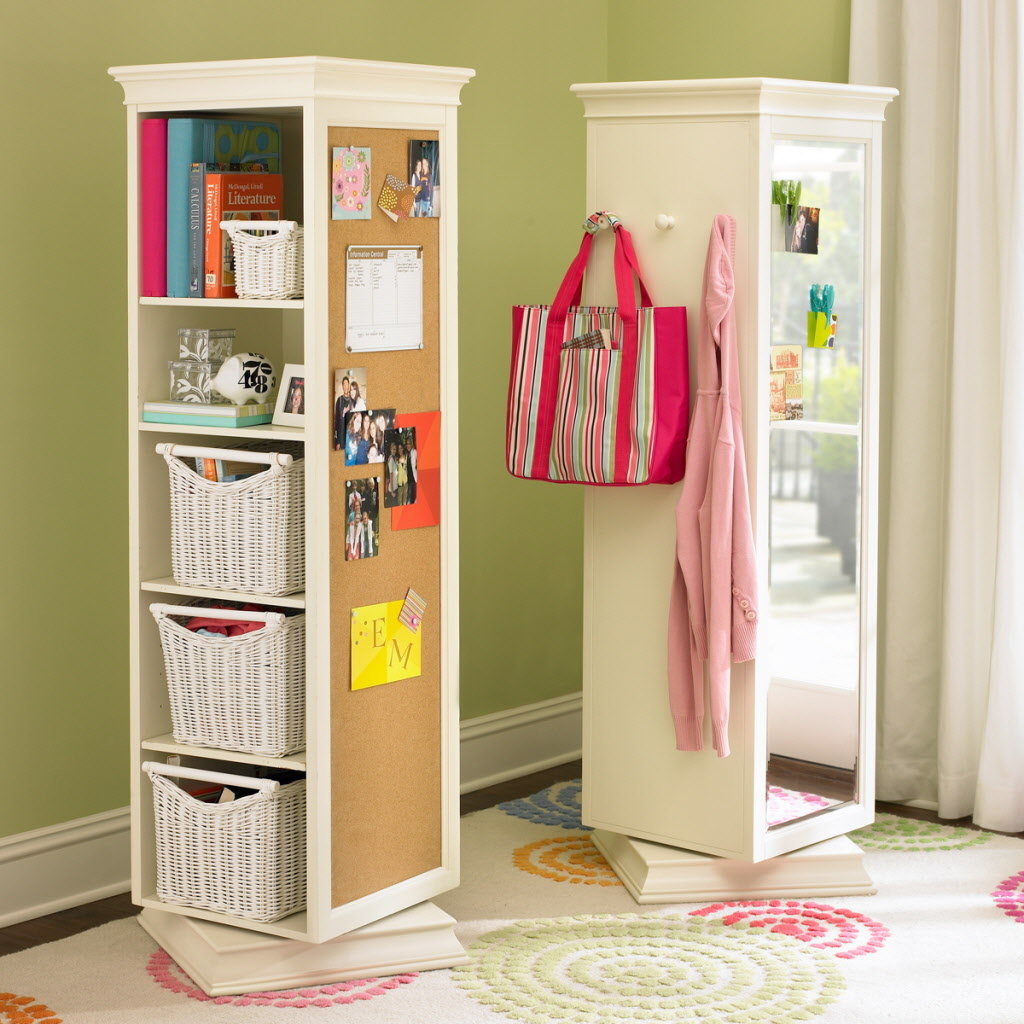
(233, 195)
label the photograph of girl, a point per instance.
(362, 533)
(349, 396)
(805, 230)
(400, 467)
(424, 178)
(364, 433)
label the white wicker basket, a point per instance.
(246, 858)
(243, 692)
(267, 258)
(246, 536)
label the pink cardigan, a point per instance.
(713, 609)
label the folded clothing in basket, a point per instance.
(224, 627)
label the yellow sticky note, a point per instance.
(384, 649)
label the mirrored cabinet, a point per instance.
(667, 157)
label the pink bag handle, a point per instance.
(627, 278)
(570, 292)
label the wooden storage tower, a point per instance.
(381, 764)
(667, 157)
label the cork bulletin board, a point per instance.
(385, 739)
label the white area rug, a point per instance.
(555, 938)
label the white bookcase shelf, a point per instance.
(155, 300)
(230, 435)
(166, 585)
(360, 870)
(168, 745)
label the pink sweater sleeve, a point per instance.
(716, 530)
(712, 611)
(685, 670)
(744, 566)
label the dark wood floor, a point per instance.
(79, 919)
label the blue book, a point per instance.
(206, 421)
(243, 145)
(184, 147)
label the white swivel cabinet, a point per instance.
(770, 819)
(381, 764)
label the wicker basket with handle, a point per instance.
(267, 258)
(246, 858)
(246, 692)
(247, 535)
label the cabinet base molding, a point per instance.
(223, 960)
(653, 873)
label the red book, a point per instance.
(234, 195)
(153, 206)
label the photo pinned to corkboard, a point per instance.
(425, 177)
(362, 531)
(400, 467)
(425, 507)
(365, 435)
(351, 393)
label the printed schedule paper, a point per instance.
(383, 298)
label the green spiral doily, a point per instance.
(647, 969)
(891, 832)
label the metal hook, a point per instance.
(600, 220)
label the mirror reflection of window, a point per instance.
(814, 480)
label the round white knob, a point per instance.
(664, 221)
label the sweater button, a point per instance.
(744, 603)
(735, 591)
(751, 616)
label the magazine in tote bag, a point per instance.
(599, 394)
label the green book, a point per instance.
(249, 416)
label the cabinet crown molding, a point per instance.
(734, 96)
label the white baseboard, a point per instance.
(508, 744)
(77, 862)
(64, 866)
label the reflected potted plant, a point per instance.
(836, 460)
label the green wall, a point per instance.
(658, 39)
(63, 519)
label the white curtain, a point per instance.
(951, 683)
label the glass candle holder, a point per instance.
(191, 380)
(205, 344)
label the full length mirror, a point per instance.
(817, 316)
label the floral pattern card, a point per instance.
(350, 183)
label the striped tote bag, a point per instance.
(599, 394)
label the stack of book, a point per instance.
(194, 173)
(195, 414)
